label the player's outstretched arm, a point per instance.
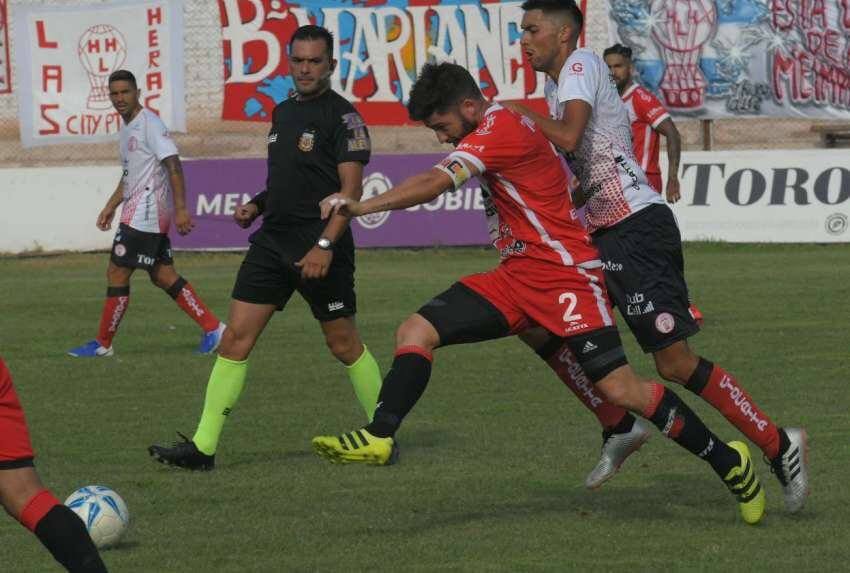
(674, 154)
(104, 218)
(566, 133)
(414, 190)
(182, 219)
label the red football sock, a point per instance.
(37, 507)
(565, 365)
(187, 299)
(117, 301)
(721, 390)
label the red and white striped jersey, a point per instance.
(645, 113)
(144, 144)
(529, 212)
(613, 183)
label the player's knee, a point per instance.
(158, 281)
(417, 331)
(676, 368)
(117, 276)
(623, 389)
(346, 349)
(234, 346)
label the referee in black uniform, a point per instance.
(318, 145)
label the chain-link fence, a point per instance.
(209, 136)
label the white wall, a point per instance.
(54, 208)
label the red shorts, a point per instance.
(566, 301)
(655, 180)
(14, 437)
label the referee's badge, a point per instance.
(307, 140)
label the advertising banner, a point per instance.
(736, 196)
(788, 196)
(64, 56)
(740, 58)
(380, 48)
(5, 64)
(217, 187)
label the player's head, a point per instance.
(311, 61)
(123, 93)
(619, 60)
(447, 99)
(550, 32)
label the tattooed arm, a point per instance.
(182, 219)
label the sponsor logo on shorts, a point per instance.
(638, 310)
(576, 327)
(635, 298)
(272, 137)
(337, 305)
(145, 260)
(664, 323)
(611, 266)
(741, 401)
(120, 250)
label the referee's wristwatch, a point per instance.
(324, 243)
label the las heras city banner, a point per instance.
(380, 47)
(64, 56)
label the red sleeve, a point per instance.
(497, 142)
(647, 107)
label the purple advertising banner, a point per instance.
(215, 188)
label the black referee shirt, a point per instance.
(308, 139)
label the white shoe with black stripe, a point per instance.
(791, 468)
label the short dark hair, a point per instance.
(439, 87)
(619, 50)
(311, 32)
(123, 76)
(566, 7)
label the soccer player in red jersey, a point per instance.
(550, 275)
(650, 120)
(24, 497)
(151, 173)
(635, 231)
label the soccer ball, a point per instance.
(103, 511)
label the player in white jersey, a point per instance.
(635, 231)
(151, 171)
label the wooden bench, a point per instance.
(834, 133)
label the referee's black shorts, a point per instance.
(268, 274)
(645, 276)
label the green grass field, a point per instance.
(493, 457)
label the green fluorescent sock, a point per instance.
(226, 382)
(365, 377)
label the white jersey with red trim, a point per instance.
(646, 113)
(524, 185)
(611, 180)
(144, 144)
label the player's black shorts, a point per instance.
(645, 275)
(140, 250)
(460, 315)
(268, 274)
